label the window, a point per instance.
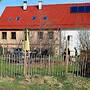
(34, 17)
(40, 35)
(13, 35)
(4, 35)
(10, 19)
(50, 35)
(17, 18)
(45, 18)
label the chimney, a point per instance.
(40, 4)
(25, 5)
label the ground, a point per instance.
(37, 82)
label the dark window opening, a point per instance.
(50, 35)
(40, 35)
(4, 35)
(13, 35)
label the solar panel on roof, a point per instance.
(87, 8)
(80, 9)
(73, 9)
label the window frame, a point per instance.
(45, 18)
(40, 35)
(49, 35)
(33, 17)
(4, 33)
(13, 37)
(18, 18)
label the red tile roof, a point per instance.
(58, 16)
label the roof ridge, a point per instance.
(54, 4)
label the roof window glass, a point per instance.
(17, 18)
(33, 17)
(10, 19)
(45, 17)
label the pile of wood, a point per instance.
(85, 58)
(85, 53)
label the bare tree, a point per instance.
(84, 38)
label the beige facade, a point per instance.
(36, 41)
(8, 42)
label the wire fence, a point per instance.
(12, 65)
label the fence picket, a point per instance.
(41, 65)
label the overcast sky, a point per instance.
(5, 3)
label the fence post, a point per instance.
(49, 65)
(26, 49)
(25, 66)
(66, 69)
(1, 66)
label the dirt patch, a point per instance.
(52, 81)
(42, 80)
(7, 79)
(3, 89)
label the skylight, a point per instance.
(33, 17)
(10, 19)
(17, 18)
(45, 17)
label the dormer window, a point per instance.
(10, 19)
(45, 17)
(17, 18)
(33, 17)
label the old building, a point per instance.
(44, 23)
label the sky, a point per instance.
(5, 3)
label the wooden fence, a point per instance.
(13, 65)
